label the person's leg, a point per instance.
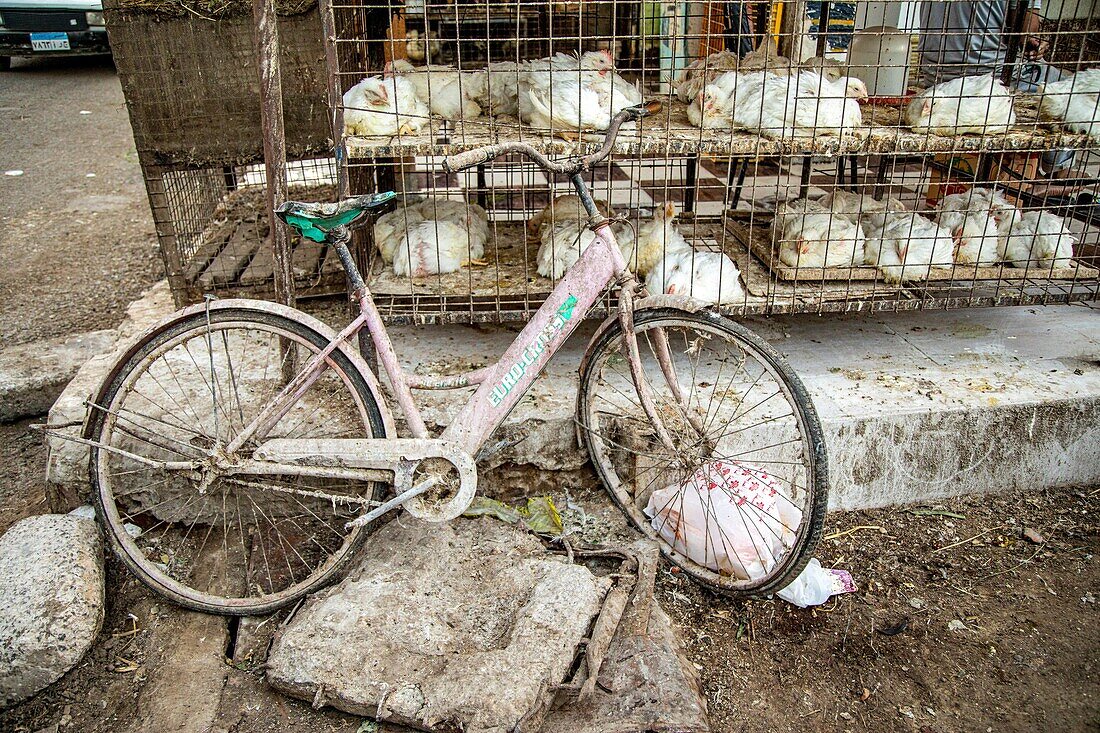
(1028, 77)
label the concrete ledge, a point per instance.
(33, 375)
(916, 406)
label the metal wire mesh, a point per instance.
(213, 226)
(767, 149)
(764, 116)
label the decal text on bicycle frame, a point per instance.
(533, 350)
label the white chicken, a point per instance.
(390, 228)
(1004, 213)
(574, 101)
(905, 246)
(854, 206)
(802, 104)
(656, 239)
(810, 235)
(828, 107)
(383, 106)
(712, 106)
(978, 104)
(565, 207)
(701, 72)
(562, 245)
(1040, 240)
(708, 276)
(432, 247)
(972, 227)
(450, 93)
(496, 88)
(470, 216)
(1076, 102)
(600, 61)
(418, 48)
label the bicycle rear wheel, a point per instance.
(739, 501)
(211, 540)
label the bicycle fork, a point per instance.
(628, 287)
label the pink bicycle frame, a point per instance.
(500, 385)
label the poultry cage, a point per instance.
(855, 169)
(189, 74)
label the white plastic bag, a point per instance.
(729, 516)
(813, 586)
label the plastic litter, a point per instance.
(540, 515)
(735, 519)
(728, 516)
(812, 587)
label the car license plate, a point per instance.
(50, 41)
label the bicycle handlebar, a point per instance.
(462, 161)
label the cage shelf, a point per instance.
(669, 133)
(758, 241)
(507, 290)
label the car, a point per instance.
(32, 28)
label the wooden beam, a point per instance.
(274, 136)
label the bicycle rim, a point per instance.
(228, 544)
(744, 427)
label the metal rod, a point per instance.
(335, 96)
(401, 498)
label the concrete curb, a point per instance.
(916, 406)
(33, 375)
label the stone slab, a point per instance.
(646, 684)
(51, 600)
(32, 376)
(466, 625)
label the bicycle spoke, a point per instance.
(261, 540)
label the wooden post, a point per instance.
(271, 122)
(790, 27)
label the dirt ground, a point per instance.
(889, 657)
(76, 237)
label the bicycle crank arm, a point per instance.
(401, 456)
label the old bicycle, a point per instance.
(254, 447)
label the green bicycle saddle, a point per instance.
(315, 221)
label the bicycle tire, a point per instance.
(127, 549)
(802, 407)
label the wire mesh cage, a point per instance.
(898, 160)
(214, 230)
(189, 74)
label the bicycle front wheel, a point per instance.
(209, 539)
(738, 500)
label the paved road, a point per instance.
(76, 237)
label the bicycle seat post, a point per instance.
(339, 238)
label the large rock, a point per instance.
(466, 625)
(67, 463)
(51, 600)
